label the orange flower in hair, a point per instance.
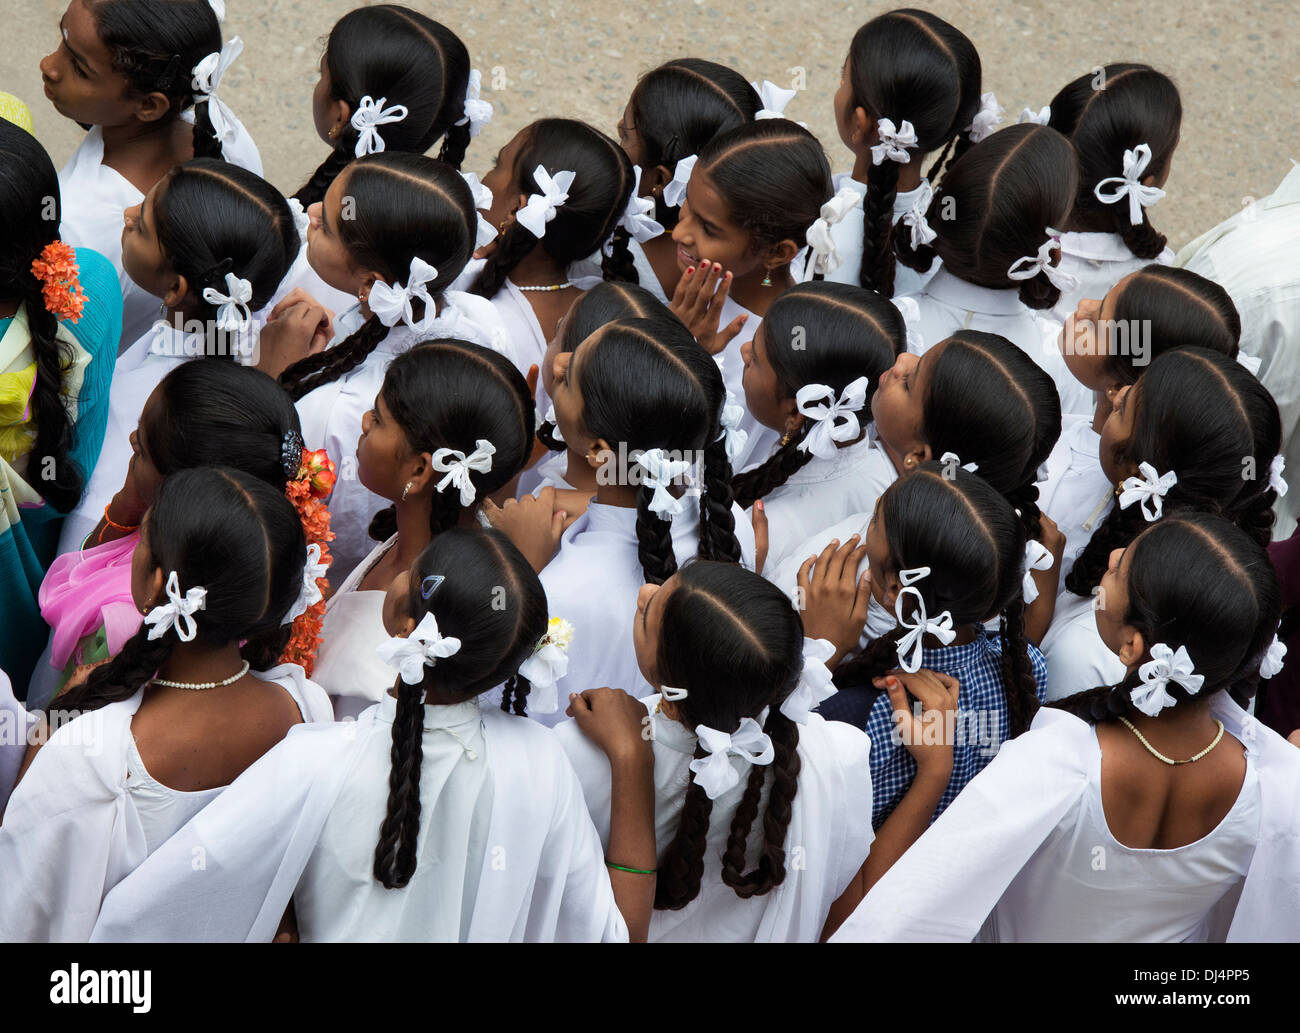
(307, 491)
(59, 275)
(319, 471)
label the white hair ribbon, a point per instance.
(675, 191)
(1037, 557)
(986, 120)
(548, 664)
(310, 594)
(219, 9)
(392, 303)
(207, 77)
(555, 425)
(1130, 184)
(658, 472)
(638, 217)
(922, 232)
(301, 220)
(894, 142)
(823, 257)
(910, 645)
(366, 120)
(773, 99)
(1040, 117)
(834, 419)
(178, 612)
(486, 232)
(715, 773)
(423, 647)
(911, 313)
(733, 414)
(541, 208)
(1250, 362)
(478, 112)
(1028, 267)
(460, 465)
(1165, 665)
(815, 685)
(953, 457)
(673, 695)
(1275, 479)
(233, 314)
(1149, 490)
(1043, 472)
(1273, 660)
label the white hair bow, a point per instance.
(541, 208)
(1250, 363)
(486, 233)
(658, 472)
(834, 419)
(715, 773)
(823, 257)
(1149, 490)
(555, 424)
(986, 119)
(478, 112)
(1028, 267)
(423, 647)
(1273, 660)
(910, 645)
(1040, 117)
(301, 220)
(219, 9)
(911, 313)
(638, 217)
(894, 142)
(955, 459)
(773, 99)
(1165, 666)
(1037, 557)
(366, 120)
(178, 612)
(1275, 479)
(675, 191)
(207, 77)
(733, 414)
(310, 594)
(922, 232)
(457, 466)
(815, 685)
(233, 313)
(548, 664)
(392, 302)
(1130, 184)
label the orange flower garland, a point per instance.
(307, 492)
(59, 275)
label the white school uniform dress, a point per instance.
(760, 441)
(1098, 261)
(1252, 256)
(15, 723)
(593, 583)
(87, 813)
(301, 274)
(949, 304)
(1077, 658)
(646, 276)
(506, 850)
(331, 414)
(1076, 493)
(823, 493)
(1027, 827)
(94, 196)
(830, 820)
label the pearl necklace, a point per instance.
(197, 686)
(548, 287)
(1160, 756)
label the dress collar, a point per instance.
(459, 716)
(948, 289)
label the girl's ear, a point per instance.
(654, 180)
(155, 589)
(782, 254)
(368, 280)
(598, 453)
(340, 114)
(918, 454)
(408, 626)
(892, 587)
(421, 471)
(669, 710)
(864, 127)
(177, 291)
(152, 106)
(1134, 646)
(794, 419)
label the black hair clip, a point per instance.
(430, 585)
(168, 77)
(215, 277)
(291, 453)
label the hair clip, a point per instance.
(673, 695)
(430, 585)
(291, 453)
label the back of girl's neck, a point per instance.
(198, 662)
(143, 152)
(538, 269)
(909, 175)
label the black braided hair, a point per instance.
(392, 52)
(405, 206)
(497, 631)
(733, 641)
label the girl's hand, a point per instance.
(298, 296)
(759, 518)
(303, 328)
(80, 674)
(615, 721)
(835, 598)
(533, 524)
(937, 693)
(698, 301)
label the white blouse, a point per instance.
(1076, 493)
(949, 304)
(1077, 658)
(1099, 261)
(827, 839)
(593, 583)
(761, 441)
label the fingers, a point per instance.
(823, 560)
(862, 599)
(533, 372)
(759, 518)
(803, 578)
(838, 561)
(491, 510)
(730, 332)
(558, 519)
(546, 497)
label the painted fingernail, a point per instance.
(759, 503)
(690, 270)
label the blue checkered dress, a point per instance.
(981, 720)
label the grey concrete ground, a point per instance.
(1235, 63)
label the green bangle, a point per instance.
(634, 871)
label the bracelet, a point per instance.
(124, 528)
(634, 871)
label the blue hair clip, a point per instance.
(430, 585)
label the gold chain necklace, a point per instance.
(1169, 760)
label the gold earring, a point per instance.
(406, 490)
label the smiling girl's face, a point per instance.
(705, 231)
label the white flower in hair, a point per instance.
(548, 664)
(1165, 666)
(178, 612)
(986, 119)
(207, 78)
(894, 142)
(1130, 185)
(310, 594)
(815, 685)
(233, 313)
(542, 207)
(1149, 490)
(834, 420)
(422, 648)
(1275, 479)
(1271, 665)
(366, 120)
(773, 99)
(478, 112)
(658, 473)
(675, 191)
(715, 774)
(1040, 117)
(458, 466)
